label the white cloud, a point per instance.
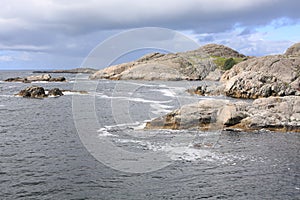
(5, 58)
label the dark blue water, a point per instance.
(42, 156)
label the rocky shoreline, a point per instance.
(273, 113)
(272, 81)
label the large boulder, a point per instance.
(206, 114)
(273, 113)
(190, 65)
(263, 77)
(42, 77)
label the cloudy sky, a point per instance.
(48, 34)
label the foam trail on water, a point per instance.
(131, 99)
(165, 92)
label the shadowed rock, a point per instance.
(58, 79)
(39, 92)
(33, 92)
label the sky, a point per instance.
(59, 34)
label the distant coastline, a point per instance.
(71, 71)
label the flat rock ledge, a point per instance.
(42, 77)
(274, 113)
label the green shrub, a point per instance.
(228, 64)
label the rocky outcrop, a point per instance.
(214, 75)
(39, 92)
(42, 77)
(293, 51)
(207, 90)
(266, 76)
(33, 92)
(71, 71)
(221, 51)
(191, 65)
(273, 113)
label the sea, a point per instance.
(94, 146)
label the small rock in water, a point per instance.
(55, 92)
(33, 92)
(39, 92)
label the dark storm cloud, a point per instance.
(64, 26)
(80, 17)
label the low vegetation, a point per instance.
(226, 63)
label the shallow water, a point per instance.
(42, 156)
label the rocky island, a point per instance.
(191, 65)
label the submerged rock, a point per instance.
(16, 79)
(273, 113)
(58, 79)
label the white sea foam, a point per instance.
(174, 152)
(131, 99)
(6, 95)
(12, 86)
(121, 125)
(140, 84)
(104, 133)
(165, 92)
(73, 93)
(40, 81)
(141, 126)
